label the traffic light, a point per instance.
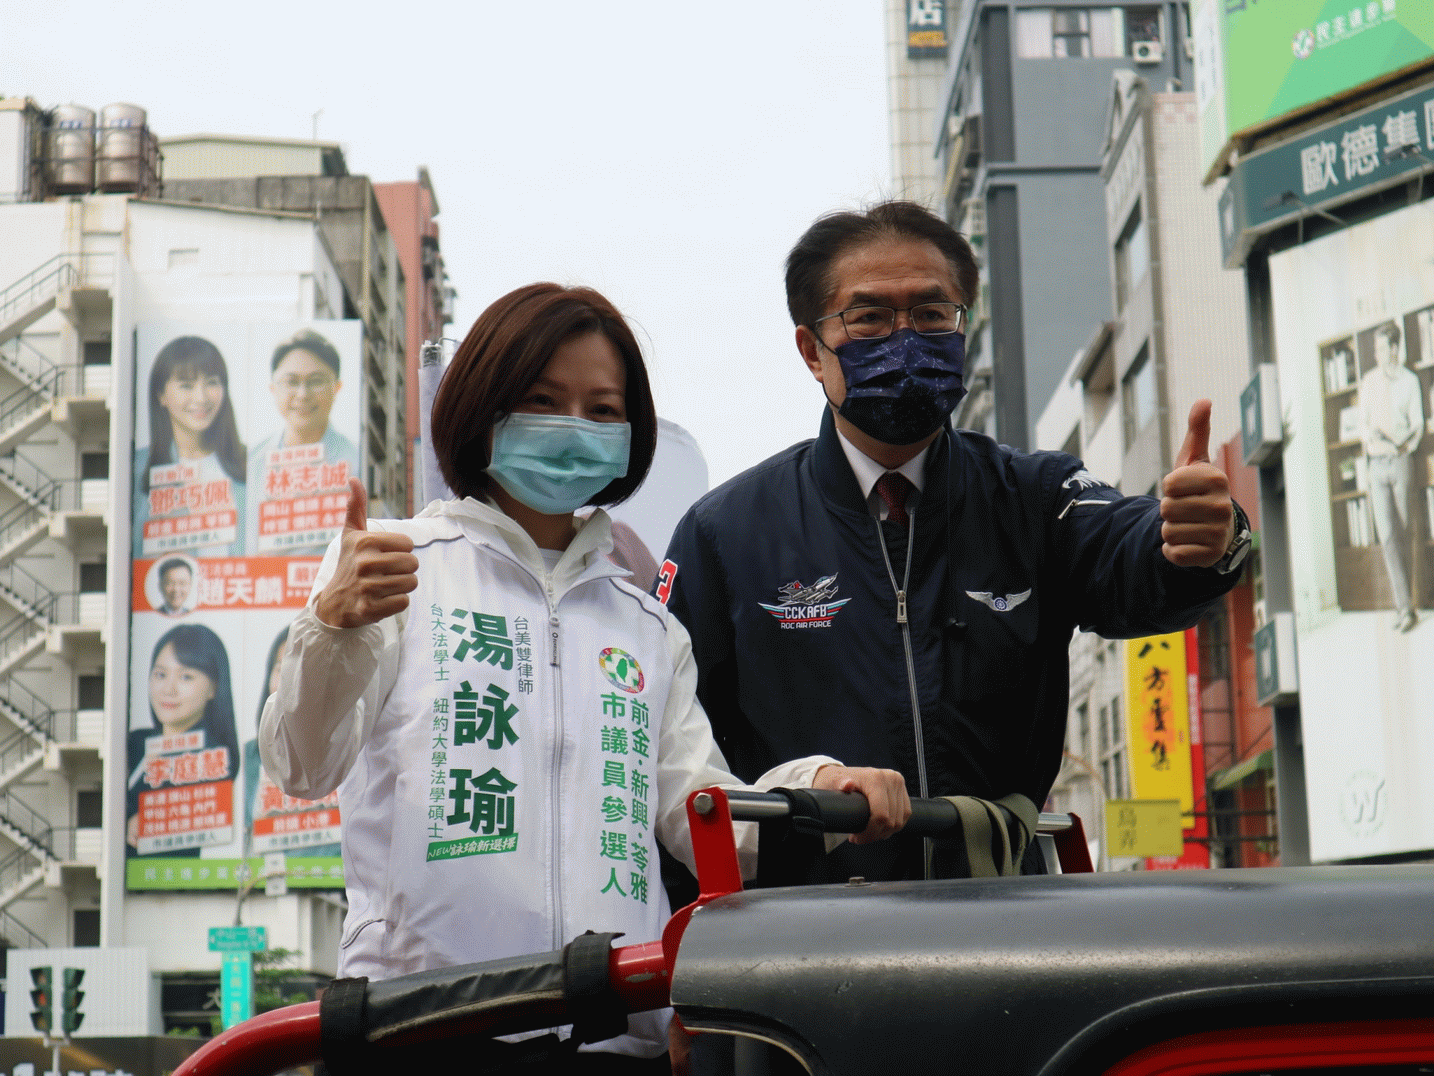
(42, 998)
(70, 1016)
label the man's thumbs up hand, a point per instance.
(1199, 516)
(376, 571)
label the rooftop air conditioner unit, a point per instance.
(1147, 52)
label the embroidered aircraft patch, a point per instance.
(807, 607)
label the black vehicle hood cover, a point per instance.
(1054, 974)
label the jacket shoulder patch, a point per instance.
(665, 576)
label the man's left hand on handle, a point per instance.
(885, 792)
(1198, 515)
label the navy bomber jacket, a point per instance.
(780, 577)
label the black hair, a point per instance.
(197, 647)
(275, 648)
(191, 356)
(314, 344)
(171, 564)
(1390, 331)
(809, 283)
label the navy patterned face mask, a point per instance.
(902, 388)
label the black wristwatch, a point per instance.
(1239, 547)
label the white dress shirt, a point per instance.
(868, 472)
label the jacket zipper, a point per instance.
(1077, 504)
(554, 796)
(902, 620)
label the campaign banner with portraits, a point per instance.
(246, 434)
(1354, 336)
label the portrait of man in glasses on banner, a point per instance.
(298, 476)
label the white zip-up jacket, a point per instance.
(507, 751)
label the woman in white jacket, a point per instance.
(510, 725)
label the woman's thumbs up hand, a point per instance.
(375, 574)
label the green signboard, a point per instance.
(1258, 60)
(238, 939)
(236, 988)
(1355, 155)
(164, 872)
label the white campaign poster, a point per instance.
(1354, 337)
(245, 436)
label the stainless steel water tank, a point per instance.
(120, 160)
(70, 149)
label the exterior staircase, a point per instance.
(33, 296)
(36, 852)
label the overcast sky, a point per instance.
(665, 153)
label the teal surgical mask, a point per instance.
(555, 464)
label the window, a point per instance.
(97, 353)
(87, 927)
(1141, 24)
(1082, 729)
(89, 808)
(94, 578)
(1214, 637)
(1117, 753)
(1132, 257)
(91, 692)
(1138, 395)
(1099, 391)
(1069, 32)
(94, 465)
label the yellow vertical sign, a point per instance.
(1158, 719)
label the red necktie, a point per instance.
(893, 488)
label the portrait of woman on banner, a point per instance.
(274, 821)
(298, 477)
(189, 481)
(182, 762)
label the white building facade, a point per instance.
(82, 276)
(1123, 401)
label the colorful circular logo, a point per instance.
(1302, 45)
(622, 669)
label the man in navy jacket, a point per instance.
(900, 594)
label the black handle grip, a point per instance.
(817, 810)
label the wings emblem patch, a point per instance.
(997, 603)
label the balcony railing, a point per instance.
(29, 822)
(14, 868)
(24, 706)
(18, 935)
(38, 285)
(22, 585)
(34, 367)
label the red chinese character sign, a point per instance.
(245, 437)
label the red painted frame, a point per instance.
(1332, 1046)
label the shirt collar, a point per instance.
(868, 471)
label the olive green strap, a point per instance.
(983, 820)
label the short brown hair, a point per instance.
(501, 358)
(809, 283)
(1390, 331)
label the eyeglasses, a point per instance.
(314, 383)
(878, 322)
